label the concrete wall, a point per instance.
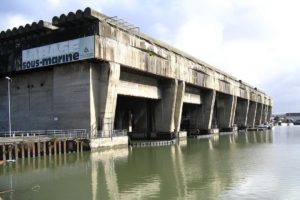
(3, 105)
(55, 98)
(71, 96)
(160, 59)
(132, 84)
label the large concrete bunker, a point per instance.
(83, 70)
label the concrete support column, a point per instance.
(259, 112)
(16, 152)
(10, 152)
(251, 114)
(65, 146)
(204, 121)
(23, 151)
(59, 147)
(225, 111)
(263, 114)
(49, 148)
(3, 152)
(33, 150)
(269, 113)
(165, 108)
(109, 75)
(241, 113)
(179, 105)
(39, 149)
(55, 150)
(28, 150)
(77, 146)
(266, 114)
(81, 147)
(233, 111)
(45, 149)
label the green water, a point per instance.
(253, 165)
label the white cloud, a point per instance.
(11, 21)
(198, 37)
(256, 41)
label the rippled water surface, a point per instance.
(253, 165)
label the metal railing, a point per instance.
(111, 133)
(68, 133)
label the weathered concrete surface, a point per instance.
(251, 114)
(269, 113)
(225, 108)
(209, 98)
(108, 87)
(259, 112)
(178, 105)
(55, 98)
(138, 85)
(241, 113)
(71, 102)
(197, 118)
(142, 55)
(165, 109)
(108, 142)
(192, 96)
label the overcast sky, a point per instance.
(256, 41)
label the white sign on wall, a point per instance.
(58, 53)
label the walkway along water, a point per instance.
(41, 143)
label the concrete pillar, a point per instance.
(202, 115)
(65, 146)
(165, 108)
(44, 149)
(49, 148)
(263, 113)
(269, 113)
(241, 113)
(54, 146)
(33, 150)
(3, 152)
(77, 146)
(266, 113)
(226, 105)
(179, 105)
(130, 121)
(28, 150)
(259, 112)
(23, 151)
(16, 152)
(10, 152)
(233, 111)
(251, 114)
(209, 98)
(81, 147)
(38, 149)
(59, 147)
(108, 75)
